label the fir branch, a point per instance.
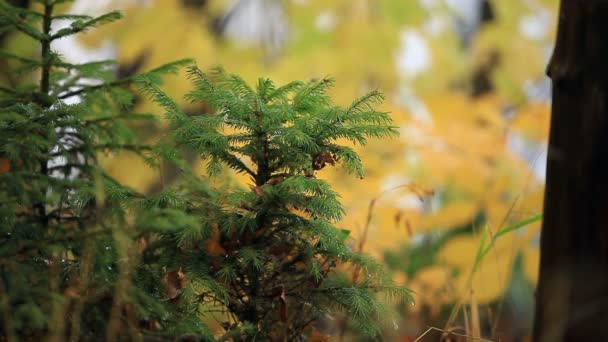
(234, 83)
(172, 111)
(26, 13)
(30, 61)
(171, 67)
(81, 26)
(86, 89)
(128, 116)
(282, 92)
(17, 17)
(366, 102)
(102, 147)
(313, 94)
(236, 164)
(72, 17)
(95, 64)
(265, 86)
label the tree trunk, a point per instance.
(572, 294)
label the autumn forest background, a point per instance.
(465, 83)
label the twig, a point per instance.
(450, 333)
(368, 220)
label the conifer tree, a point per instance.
(269, 256)
(68, 237)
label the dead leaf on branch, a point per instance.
(174, 283)
(323, 158)
(258, 191)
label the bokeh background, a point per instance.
(464, 81)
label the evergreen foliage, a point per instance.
(66, 231)
(83, 257)
(270, 257)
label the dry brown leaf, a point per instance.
(174, 282)
(5, 165)
(258, 190)
(316, 336)
(323, 158)
(213, 245)
(276, 180)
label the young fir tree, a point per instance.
(269, 256)
(70, 236)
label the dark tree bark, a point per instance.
(572, 294)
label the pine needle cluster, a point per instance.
(269, 257)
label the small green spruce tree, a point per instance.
(269, 256)
(69, 233)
